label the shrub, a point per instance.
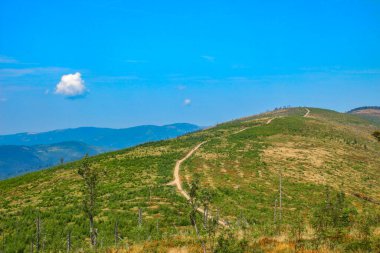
(227, 243)
(376, 134)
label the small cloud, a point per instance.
(47, 91)
(6, 59)
(71, 86)
(208, 58)
(181, 87)
(187, 102)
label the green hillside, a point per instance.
(328, 162)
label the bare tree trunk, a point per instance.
(280, 213)
(38, 233)
(3, 244)
(205, 216)
(116, 232)
(204, 247)
(68, 242)
(93, 232)
(140, 217)
(275, 212)
(194, 224)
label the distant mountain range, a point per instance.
(17, 159)
(24, 152)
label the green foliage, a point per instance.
(236, 176)
(376, 134)
(228, 243)
(332, 216)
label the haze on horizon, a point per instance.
(117, 64)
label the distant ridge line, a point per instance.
(364, 108)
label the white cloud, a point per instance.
(71, 85)
(181, 87)
(187, 101)
(208, 58)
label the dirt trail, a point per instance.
(177, 179)
(307, 113)
(268, 122)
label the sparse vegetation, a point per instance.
(136, 211)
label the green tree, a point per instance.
(90, 176)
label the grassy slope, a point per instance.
(326, 148)
(242, 169)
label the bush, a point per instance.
(227, 243)
(359, 246)
(376, 134)
(333, 216)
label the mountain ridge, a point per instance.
(98, 136)
(323, 155)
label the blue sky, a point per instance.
(203, 62)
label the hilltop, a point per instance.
(319, 156)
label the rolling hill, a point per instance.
(23, 152)
(304, 179)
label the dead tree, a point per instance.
(116, 233)
(140, 217)
(205, 199)
(38, 233)
(193, 194)
(3, 244)
(275, 212)
(90, 177)
(280, 190)
(68, 242)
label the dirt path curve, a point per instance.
(268, 122)
(307, 113)
(177, 180)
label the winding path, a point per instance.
(307, 113)
(177, 179)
